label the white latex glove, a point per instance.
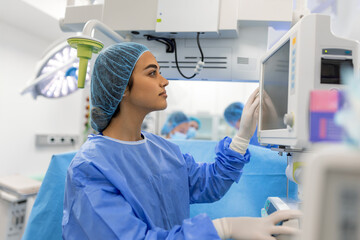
(247, 228)
(249, 119)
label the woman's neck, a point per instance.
(126, 126)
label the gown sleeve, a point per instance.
(95, 209)
(208, 182)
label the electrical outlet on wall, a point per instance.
(56, 140)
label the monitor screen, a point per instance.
(275, 87)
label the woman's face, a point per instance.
(148, 89)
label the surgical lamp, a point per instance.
(57, 73)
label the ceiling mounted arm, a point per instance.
(300, 11)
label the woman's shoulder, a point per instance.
(89, 150)
(93, 156)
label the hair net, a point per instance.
(172, 121)
(196, 120)
(233, 112)
(112, 70)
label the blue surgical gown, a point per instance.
(143, 190)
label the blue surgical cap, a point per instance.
(196, 120)
(233, 113)
(172, 121)
(112, 71)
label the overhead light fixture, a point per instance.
(57, 73)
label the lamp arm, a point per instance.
(96, 24)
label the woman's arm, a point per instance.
(95, 209)
(209, 182)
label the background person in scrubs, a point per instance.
(194, 126)
(125, 183)
(176, 126)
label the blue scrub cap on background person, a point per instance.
(112, 71)
(233, 113)
(172, 121)
(196, 120)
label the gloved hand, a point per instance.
(247, 228)
(249, 119)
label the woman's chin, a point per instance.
(160, 107)
(164, 106)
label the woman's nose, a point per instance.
(164, 82)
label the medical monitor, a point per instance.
(308, 57)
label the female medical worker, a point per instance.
(176, 126)
(128, 184)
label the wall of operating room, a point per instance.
(22, 117)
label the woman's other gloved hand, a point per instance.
(248, 122)
(247, 228)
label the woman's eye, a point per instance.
(153, 73)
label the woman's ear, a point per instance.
(126, 92)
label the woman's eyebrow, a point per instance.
(151, 66)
